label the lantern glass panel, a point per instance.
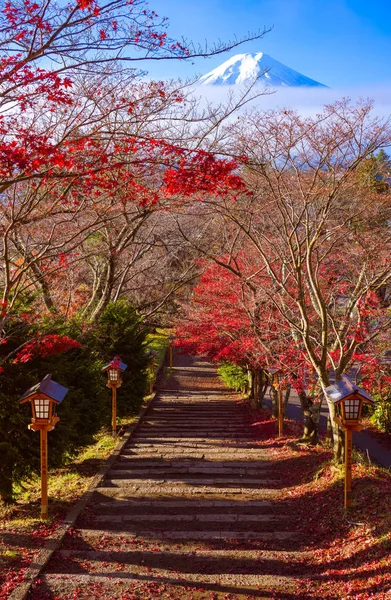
(114, 375)
(352, 409)
(42, 408)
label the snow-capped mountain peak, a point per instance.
(244, 68)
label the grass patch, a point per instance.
(158, 342)
(65, 485)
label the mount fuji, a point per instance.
(245, 68)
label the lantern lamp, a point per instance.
(348, 400)
(114, 370)
(275, 373)
(41, 408)
(44, 397)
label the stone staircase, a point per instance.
(188, 511)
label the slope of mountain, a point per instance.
(244, 68)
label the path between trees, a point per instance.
(191, 510)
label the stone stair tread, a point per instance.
(223, 534)
(151, 489)
(163, 470)
(201, 518)
(189, 503)
(214, 464)
(111, 578)
(121, 479)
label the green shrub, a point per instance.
(381, 413)
(120, 331)
(87, 405)
(234, 376)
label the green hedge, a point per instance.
(87, 406)
(234, 376)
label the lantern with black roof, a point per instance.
(348, 399)
(44, 397)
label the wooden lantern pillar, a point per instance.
(170, 347)
(151, 355)
(277, 385)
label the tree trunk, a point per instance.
(256, 388)
(250, 377)
(337, 435)
(40, 281)
(286, 398)
(262, 387)
(106, 291)
(311, 414)
(8, 459)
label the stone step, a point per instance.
(164, 470)
(166, 411)
(180, 433)
(155, 439)
(198, 402)
(250, 450)
(223, 534)
(182, 446)
(130, 488)
(196, 427)
(231, 406)
(135, 462)
(181, 418)
(210, 519)
(109, 580)
(197, 413)
(132, 554)
(123, 478)
(222, 437)
(196, 454)
(194, 419)
(189, 504)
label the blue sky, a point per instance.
(341, 43)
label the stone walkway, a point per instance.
(188, 511)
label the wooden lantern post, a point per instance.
(277, 385)
(151, 355)
(348, 399)
(43, 398)
(114, 371)
(170, 347)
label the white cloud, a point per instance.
(307, 101)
